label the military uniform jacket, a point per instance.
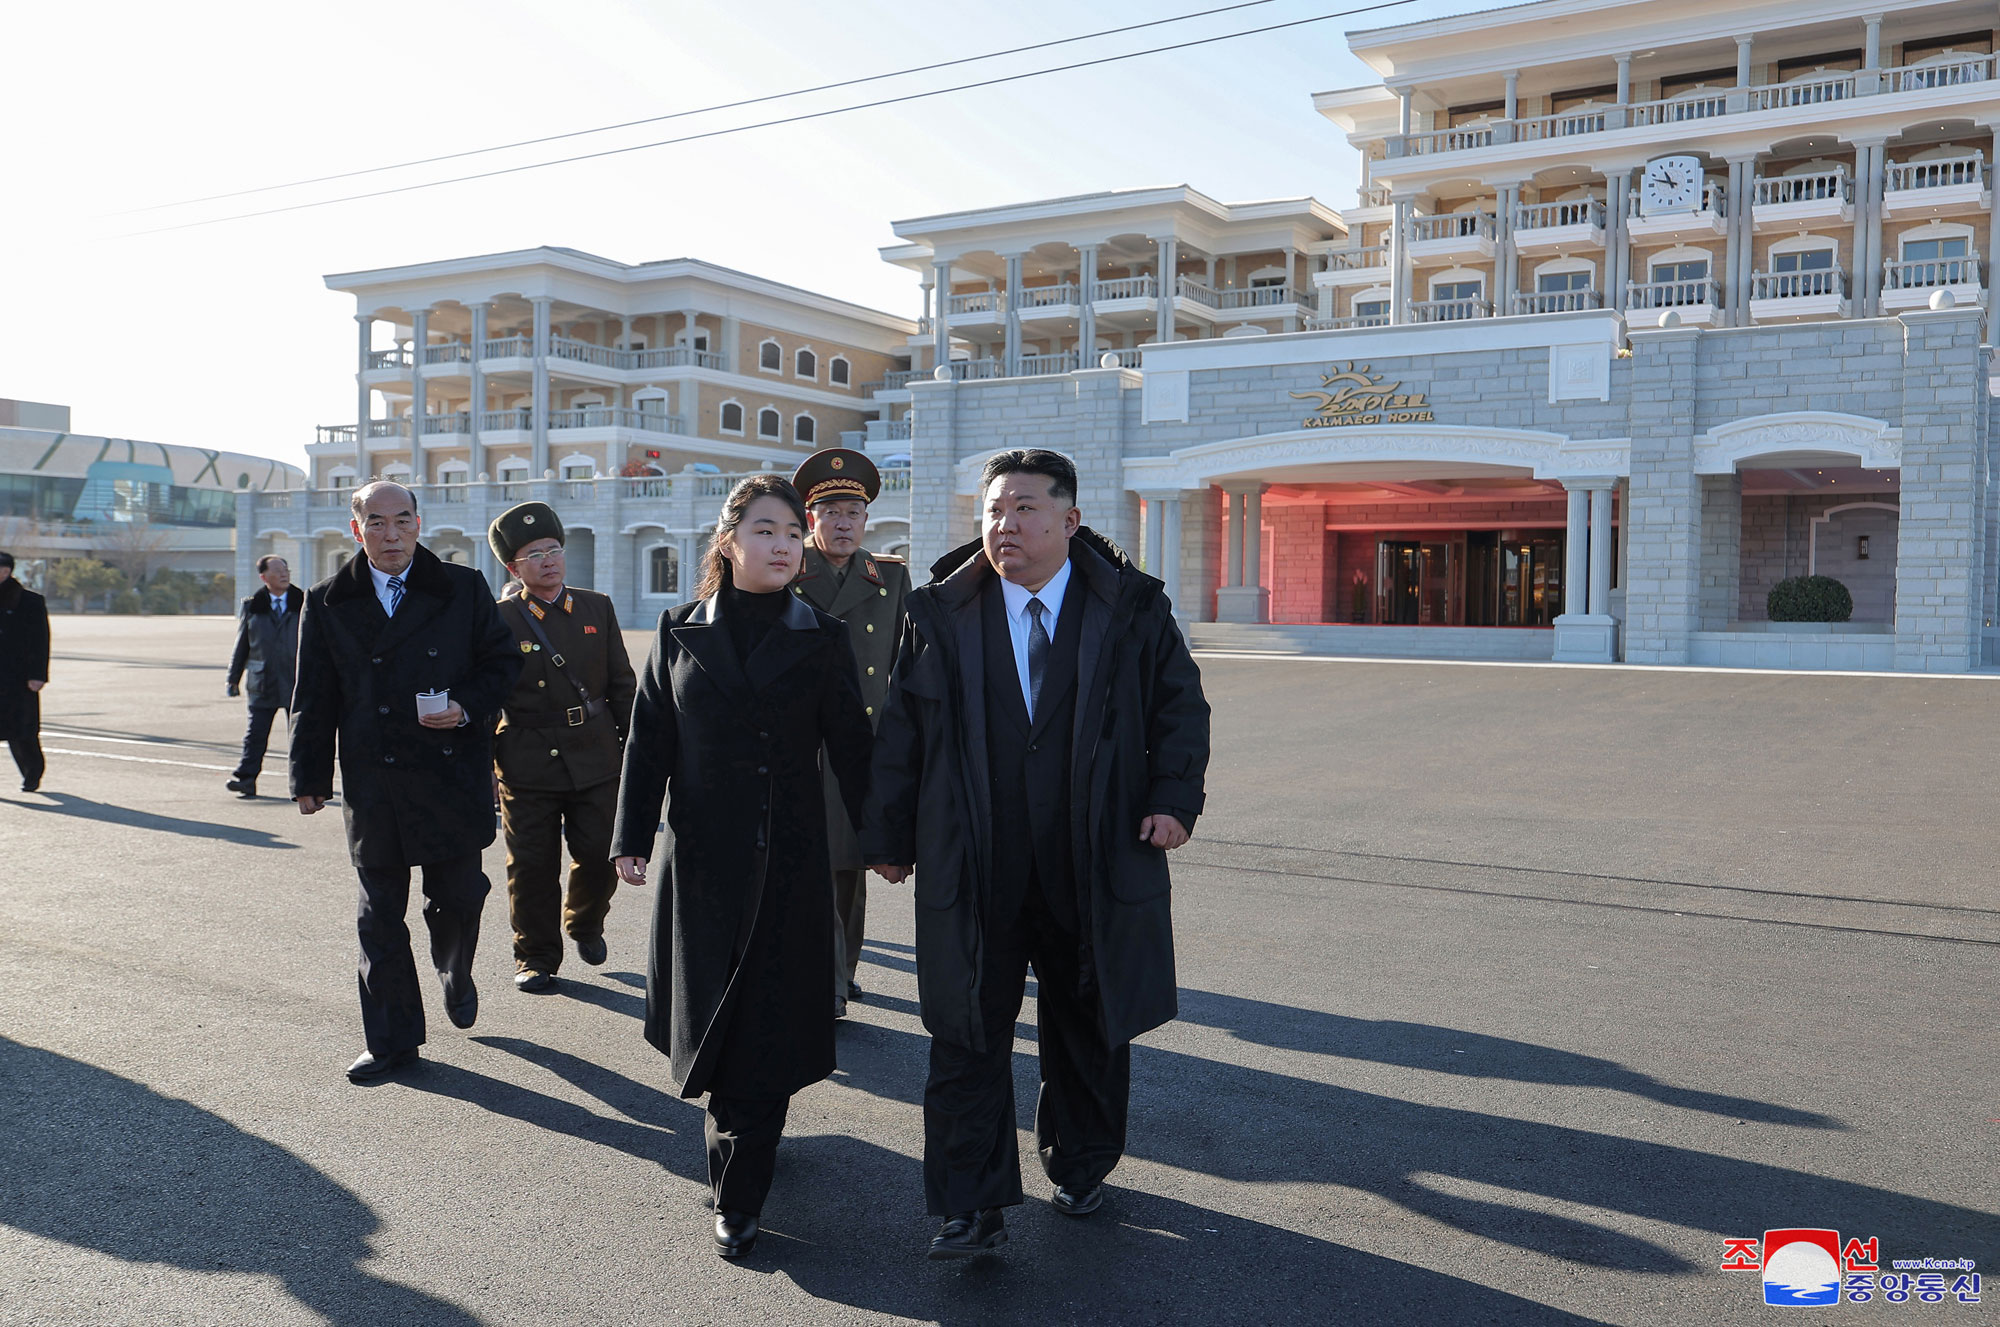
(870, 601)
(546, 741)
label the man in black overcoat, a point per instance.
(416, 783)
(267, 654)
(1043, 749)
(24, 671)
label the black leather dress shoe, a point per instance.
(854, 991)
(371, 1065)
(735, 1233)
(528, 979)
(32, 786)
(463, 1012)
(968, 1233)
(242, 787)
(593, 951)
(1078, 1202)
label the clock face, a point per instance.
(1671, 184)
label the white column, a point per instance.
(1169, 262)
(1625, 79)
(1601, 541)
(363, 405)
(928, 315)
(940, 329)
(1242, 598)
(1513, 110)
(1400, 269)
(1086, 313)
(1011, 348)
(1237, 504)
(1743, 62)
(1403, 110)
(477, 450)
(540, 421)
(1865, 282)
(1253, 538)
(420, 337)
(1992, 248)
(1872, 50)
(1506, 263)
(1617, 247)
(1170, 552)
(1576, 570)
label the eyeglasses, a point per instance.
(539, 558)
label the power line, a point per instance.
(699, 110)
(768, 124)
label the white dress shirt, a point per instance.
(1016, 598)
(382, 587)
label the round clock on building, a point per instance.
(1670, 184)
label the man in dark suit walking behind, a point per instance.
(403, 661)
(24, 671)
(1044, 748)
(267, 651)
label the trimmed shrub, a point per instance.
(1809, 599)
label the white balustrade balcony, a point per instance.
(1124, 288)
(507, 347)
(448, 352)
(1695, 302)
(1946, 186)
(896, 478)
(1562, 124)
(1559, 227)
(1062, 361)
(1364, 266)
(1262, 300)
(1058, 301)
(1948, 71)
(1818, 293)
(519, 419)
(440, 425)
(1557, 301)
(1455, 236)
(583, 352)
(670, 357)
(334, 435)
(1189, 291)
(1786, 200)
(1450, 310)
(973, 308)
(1707, 218)
(1698, 104)
(1910, 283)
(1344, 324)
(607, 417)
(388, 428)
(398, 358)
(1813, 90)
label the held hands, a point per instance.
(632, 870)
(1162, 831)
(895, 875)
(450, 716)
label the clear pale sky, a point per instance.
(225, 335)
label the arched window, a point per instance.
(770, 358)
(805, 364)
(837, 371)
(768, 423)
(732, 417)
(803, 429)
(663, 570)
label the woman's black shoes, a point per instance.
(968, 1233)
(735, 1233)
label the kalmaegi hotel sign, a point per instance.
(1360, 396)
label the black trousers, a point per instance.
(392, 1006)
(537, 825)
(971, 1155)
(24, 739)
(742, 1137)
(256, 740)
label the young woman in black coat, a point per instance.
(744, 687)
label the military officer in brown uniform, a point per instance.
(841, 578)
(560, 742)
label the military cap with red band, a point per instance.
(836, 474)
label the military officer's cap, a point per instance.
(519, 526)
(835, 474)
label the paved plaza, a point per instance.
(1508, 994)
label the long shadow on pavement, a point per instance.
(68, 804)
(101, 1162)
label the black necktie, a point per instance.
(1038, 653)
(395, 594)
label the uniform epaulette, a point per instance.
(891, 557)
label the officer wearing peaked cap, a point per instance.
(841, 578)
(558, 748)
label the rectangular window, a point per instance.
(1831, 61)
(1970, 42)
(1918, 251)
(1457, 290)
(1563, 101)
(1804, 260)
(1696, 270)
(1672, 85)
(1372, 312)
(1552, 282)
(1483, 110)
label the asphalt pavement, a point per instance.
(1508, 994)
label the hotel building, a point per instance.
(628, 396)
(1643, 307)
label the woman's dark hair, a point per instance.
(1033, 461)
(714, 566)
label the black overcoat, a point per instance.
(1139, 747)
(411, 794)
(24, 658)
(267, 650)
(742, 955)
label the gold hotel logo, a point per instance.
(1358, 396)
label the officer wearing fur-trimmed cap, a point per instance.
(865, 590)
(559, 746)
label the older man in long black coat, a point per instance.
(24, 670)
(416, 788)
(1044, 746)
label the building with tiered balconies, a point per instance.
(1644, 307)
(626, 395)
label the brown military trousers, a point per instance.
(537, 824)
